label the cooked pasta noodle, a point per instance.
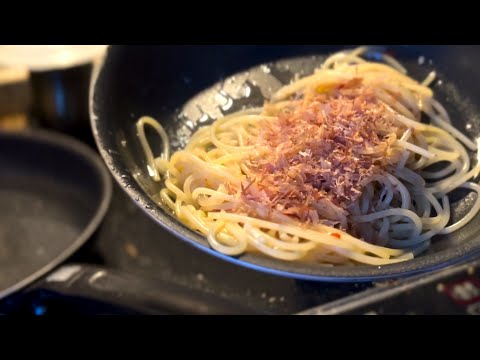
(338, 168)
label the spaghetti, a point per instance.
(338, 168)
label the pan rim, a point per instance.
(360, 273)
(69, 144)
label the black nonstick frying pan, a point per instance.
(54, 193)
(185, 87)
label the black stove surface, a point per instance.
(130, 242)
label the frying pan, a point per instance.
(54, 193)
(185, 87)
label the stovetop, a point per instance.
(129, 241)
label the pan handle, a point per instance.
(140, 295)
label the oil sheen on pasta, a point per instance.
(335, 169)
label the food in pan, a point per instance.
(339, 167)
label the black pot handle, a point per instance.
(128, 291)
